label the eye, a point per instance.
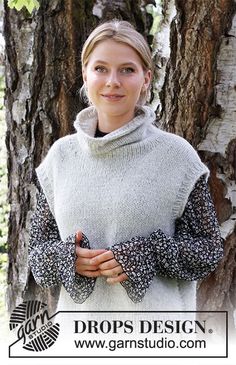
(100, 69)
(127, 70)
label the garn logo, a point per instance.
(34, 326)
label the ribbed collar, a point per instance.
(132, 132)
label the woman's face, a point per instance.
(114, 77)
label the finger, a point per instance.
(86, 267)
(90, 274)
(88, 253)
(102, 258)
(84, 261)
(110, 264)
(115, 271)
(117, 279)
(78, 237)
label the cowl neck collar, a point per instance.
(132, 132)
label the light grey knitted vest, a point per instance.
(129, 183)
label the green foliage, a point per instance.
(19, 4)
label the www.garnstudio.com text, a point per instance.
(162, 343)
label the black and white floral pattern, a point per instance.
(52, 260)
(191, 254)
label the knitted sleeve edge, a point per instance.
(192, 175)
(45, 183)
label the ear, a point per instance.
(147, 79)
(84, 75)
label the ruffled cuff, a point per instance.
(138, 261)
(79, 287)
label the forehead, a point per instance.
(113, 52)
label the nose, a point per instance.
(113, 80)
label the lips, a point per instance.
(112, 96)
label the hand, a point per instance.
(83, 264)
(108, 266)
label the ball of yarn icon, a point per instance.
(38, 339)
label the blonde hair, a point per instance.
(122, 32)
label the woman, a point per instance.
(124, 219)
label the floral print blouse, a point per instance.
(191, 254)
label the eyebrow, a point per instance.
(123, 64)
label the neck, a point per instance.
(129, 136)
(109, 123)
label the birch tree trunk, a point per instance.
(43, 77)
(161, 50)
(199, 103)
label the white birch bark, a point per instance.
(221, 130)
(161, 49)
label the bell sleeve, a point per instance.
(52, 261)
(191, 254)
